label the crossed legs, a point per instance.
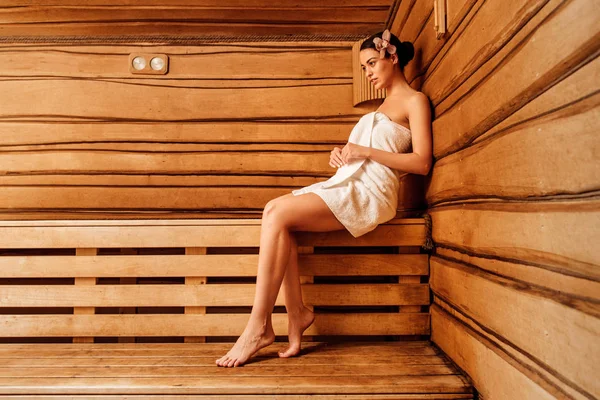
(277, 264)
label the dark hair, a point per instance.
(404, 50)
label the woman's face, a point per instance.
(379, 71)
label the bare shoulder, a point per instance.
(418, 101)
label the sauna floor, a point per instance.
(382, 370)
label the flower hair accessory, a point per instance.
(382, 44)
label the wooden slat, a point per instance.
(49, 359)
(423, 396)
(133, 162)
(192, 180)
(202, 295)
(88, 282)
(120, 101)
(205, 325)
(194, 64)
(494, 24)
(191, 281)
(187, 235)
(220, 130)
(147, 351)
(107, 199)
(209, 265)
(241, 385)
(259, 18)
(488, 168)
(264, 372)
(576, 290)
(477, 357)
(574, 88)
(494, 100)
(540, 326)
(291, 4)
(558, 235)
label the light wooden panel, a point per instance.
(212, 265)
(216, 233)
(557, 46)
(536, 325)
(188, 65)
(206, 295)
(117, 101)
(82, 137)
(513, 193)
(479, 356)
(554, 234)
(206, 325)
(259, 17)
(551, 159)
(491, 27)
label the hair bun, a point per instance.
(407, 53)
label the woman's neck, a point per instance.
(399, 85)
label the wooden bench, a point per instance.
(105, 309)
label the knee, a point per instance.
(274, 214)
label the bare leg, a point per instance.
(299, 317)
(281, 216)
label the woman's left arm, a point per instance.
(417, 162)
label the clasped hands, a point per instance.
(350, 152)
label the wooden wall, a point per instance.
(230, 126)
(113, 18)
(514, 192)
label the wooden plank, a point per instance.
(191, 180)
(422, 396)
(419, 14)
(131, 162)
(491, 28)
(557, 235)
(205, 325)
(494, 100)
(549, 168)
(120, 102)
(163, 223)
(576, 290)
(219, 130)
(249, 19)
(209, 265)
(115, 15)
(195, 297)
(88, 282)
(36, 198)
(316, 351)
(191, 281)
(431, 49)
(540, 326)
(582, 83)
(262, 371)
(478, 357)
(161, 235)
(174, 148)
(242, 385)
(292, 4)
(209, 360)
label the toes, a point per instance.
(230, 363)
(289, 352)
(222, 361)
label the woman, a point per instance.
(362, 194)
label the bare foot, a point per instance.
(246, 345)
(297, 324)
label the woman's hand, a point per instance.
(352, 152)
(335, 159)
